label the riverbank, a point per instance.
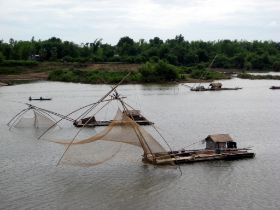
(108, 73)
(258, 77)
(14, 74)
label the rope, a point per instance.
(179, 167)
(202, 75)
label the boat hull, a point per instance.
(200, 156)
(217, 89)
(274, 87)
(106, 123)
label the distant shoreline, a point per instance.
(19, 74)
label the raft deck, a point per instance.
(191, 156)
(39, 99)
(106, 123)
(216, 89)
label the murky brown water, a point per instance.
(29, 178)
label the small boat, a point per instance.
(39, 99)
(218, 147)
(274, 87)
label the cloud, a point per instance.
(110, 19)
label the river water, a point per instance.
(29, 178)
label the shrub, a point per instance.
(158, 72)
(19, 63)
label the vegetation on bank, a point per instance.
(93, 77)
(147, 73)
(253, 77)
(150, 61)
(243, 55)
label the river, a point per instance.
(30, 179)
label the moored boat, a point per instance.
(218, 147)
(39, 99)
(274, 87)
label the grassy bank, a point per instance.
(149, 72)
(93, 77)
(160, 72)
(253, 77)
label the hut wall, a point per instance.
(215, 145)
(221, 145)
(210, 145)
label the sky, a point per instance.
(84, 21)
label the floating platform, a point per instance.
(106, 123)
(192, 156)
(214, 86)
(218, 147)
(214, 89)
(133, 114)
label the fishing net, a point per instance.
(93, 150)
(38, 120)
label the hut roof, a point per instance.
(216, 84)
(219, 138)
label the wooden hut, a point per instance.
(215, 85)
(220, 142)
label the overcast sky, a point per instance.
(87, 20)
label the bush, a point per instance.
(94, 77)
(67, 59)
(19, 63)
(276, 66)
(204, 74)
(158, 72)
(1, 57)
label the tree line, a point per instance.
(245, 55)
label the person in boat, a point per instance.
(41, 98)
(30, 98)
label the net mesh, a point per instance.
(98, 148)
(39, 120)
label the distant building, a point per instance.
(36, 58)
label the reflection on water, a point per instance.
(29, 178)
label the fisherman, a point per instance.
(30, 98)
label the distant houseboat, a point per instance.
(214, 86)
